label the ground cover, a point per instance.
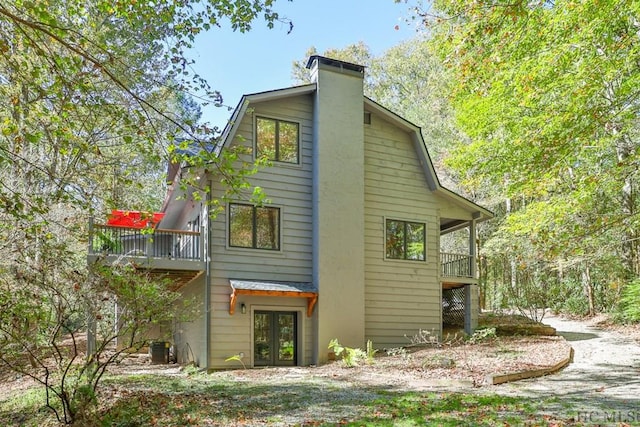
(178, 399)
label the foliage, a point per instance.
(482, 335)
(371, 352)
(630, 302)
(398, 351)
(106, 241)
(45, 338)
(449, 409)
(350, 356)
(424, 337)
(97, 103)
(237, 358)
(547, 93)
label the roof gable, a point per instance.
(230, 130)
(478, 212)
(420, 146)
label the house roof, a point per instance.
(259, 285)
(478, 212)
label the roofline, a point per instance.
(427, 164)
(234, 122)
(483, 214)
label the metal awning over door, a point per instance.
(273, 289)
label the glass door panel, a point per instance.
(274, 341)
(262, 353)
(286, 337)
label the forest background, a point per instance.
(531, 107)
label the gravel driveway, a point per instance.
(601, 386)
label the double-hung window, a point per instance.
(256, 227)
(278, 140)
(405, 240)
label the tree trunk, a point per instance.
(587, 287)
(624, 150)
(512, 259)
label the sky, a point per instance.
(236, 64)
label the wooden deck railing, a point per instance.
(456, 265)
(136, 242)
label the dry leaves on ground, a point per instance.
(461, 365)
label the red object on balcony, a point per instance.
(134, 219)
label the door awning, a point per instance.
(273, 289)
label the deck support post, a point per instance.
(470, 308)
(472, 249)
(471, 302)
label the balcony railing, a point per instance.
(171, 248)
(456, 265)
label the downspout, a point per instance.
(207, 278)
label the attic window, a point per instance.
(367, 118)
(277, 140)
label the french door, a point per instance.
(274, 338)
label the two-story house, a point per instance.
(347, 247)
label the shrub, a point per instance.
(483, 334)
(630, 302)
(350, 356)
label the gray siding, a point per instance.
(401, 296)
(189, 336)
(287, 187)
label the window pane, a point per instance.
(415, 241)
(241, 226)
(266, 138)
(267, 228)
(395, 239)
(288, 142)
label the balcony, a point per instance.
(176, 254)
(456, 269)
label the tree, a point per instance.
(410, 80)
(95, 101)
(547, 92)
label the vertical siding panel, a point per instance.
(189, 336)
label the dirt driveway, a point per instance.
(601, 386)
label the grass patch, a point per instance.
(25, 406)
(452, 409)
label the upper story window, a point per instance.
(278, 140)
(256, 227)
(405, 240)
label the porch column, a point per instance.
(471, 302)
(473, 268)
